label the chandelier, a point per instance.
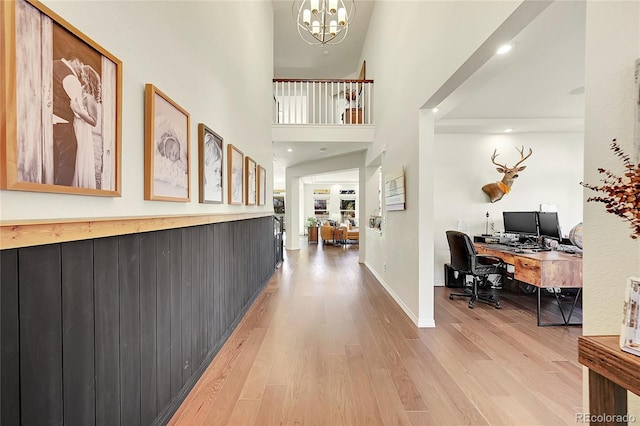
(323, 21)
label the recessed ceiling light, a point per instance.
(436, 109)
(508, 130)
(504, 49)
(289, 149)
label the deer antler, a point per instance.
(493, 160)
(521, 151)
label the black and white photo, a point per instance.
(166, 148)
(67, 135)
(210, 150)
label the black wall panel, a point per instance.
(78, 361)
(117, 330)
(10, 339)
(107, 330)
(40, 313)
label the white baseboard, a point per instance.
(422, 323)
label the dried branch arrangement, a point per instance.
(621, 193)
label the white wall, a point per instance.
(612, 46)
(463, 166)
(408, 59)
(207, 58)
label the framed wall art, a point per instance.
(235, 175)
(262, 186)
(394, 190)
(210, 162)
(166, 154)
(630, 332)
(61, 100)
(250, 181)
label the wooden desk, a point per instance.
(543, 269)
(611, 373)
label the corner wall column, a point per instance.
(292, 212)
(425, 220)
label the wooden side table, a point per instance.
(611, 373)
(313, 234)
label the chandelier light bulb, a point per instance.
(314, 6)
(316, 28)
(333, 6)
(342, 16)
(306, 17)
(333, 28)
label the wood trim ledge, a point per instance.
(16, 234)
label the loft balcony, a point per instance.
(345, 103)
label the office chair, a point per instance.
(466, 260)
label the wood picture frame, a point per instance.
(235, 175)
(630, 332)
(210, 160)
(251, 193)
(60, 106)
(394, 190)
(262, 186)
(167, 148)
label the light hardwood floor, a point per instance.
(325, 344)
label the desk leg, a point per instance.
(565, 318)
(606, 399)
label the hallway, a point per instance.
(324, 344)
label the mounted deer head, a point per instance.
(497, 190)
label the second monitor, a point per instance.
(549, 226)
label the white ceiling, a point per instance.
(537, 87)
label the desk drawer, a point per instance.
(527, 270)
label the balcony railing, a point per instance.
(331, 102)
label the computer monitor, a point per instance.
(549, 226)
(521, 223)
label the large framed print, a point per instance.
(250, 181)
(262, 186)
(166, 154)
(210, 162)
(60, 105)
(630, 333)
(235, 175)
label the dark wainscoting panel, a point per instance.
(117, 330)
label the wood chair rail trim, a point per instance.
(16, 234)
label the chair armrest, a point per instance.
(485, 259)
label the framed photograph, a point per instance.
(251, 192)
(166, 153)
(210, 161)
(630, 333)
(61, 103)
(235, 175)
(262, 186)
